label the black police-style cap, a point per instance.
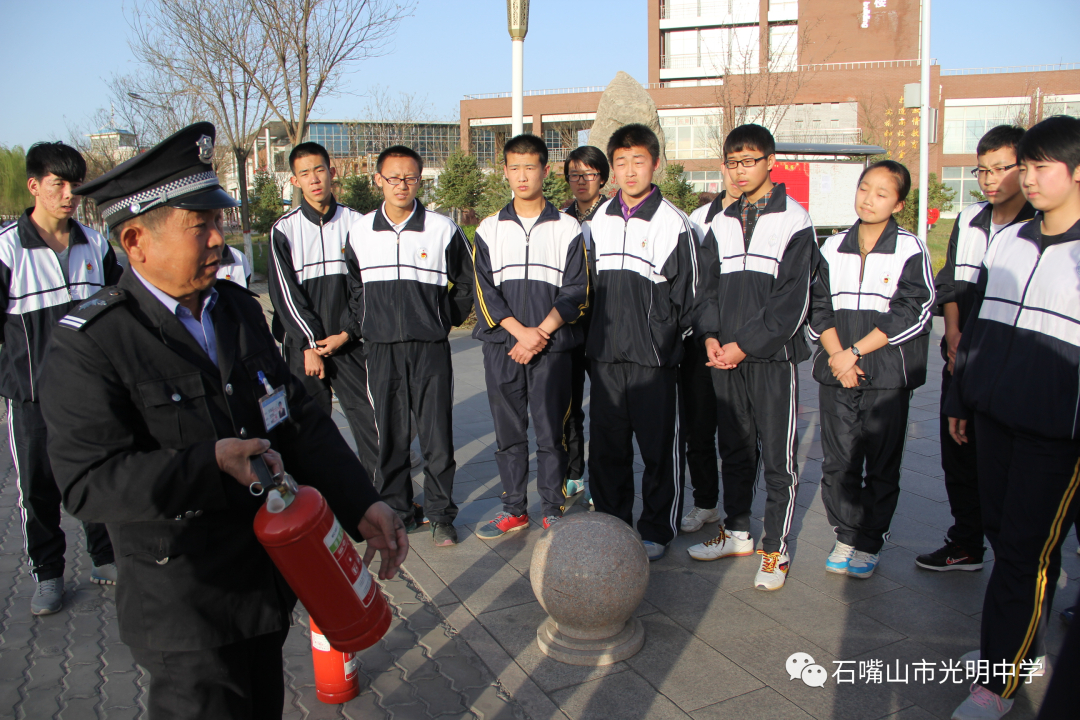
(177, 172)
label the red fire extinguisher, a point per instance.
(336, 678)
(319, 562)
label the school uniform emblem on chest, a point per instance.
(422, 253)
(644, 242)
(886, 278)
(89, 267)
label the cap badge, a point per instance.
(206, 148)
(135, 208)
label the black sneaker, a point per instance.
(443, 534)
(951, 557)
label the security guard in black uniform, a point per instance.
(152, 400)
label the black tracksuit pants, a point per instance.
(542, 389)
(629, 401)
(697, 418)
(862, 427)
(345, 376)
(756, 407)
(575, 421)
(40, 499)
(1029, 487)
(416, 377)
(961, 482)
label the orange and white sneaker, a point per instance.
(773, 571)
(726, 544)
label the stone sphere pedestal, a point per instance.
(589, 571)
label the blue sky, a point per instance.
(450, 48)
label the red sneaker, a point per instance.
(503, 523)
(551, 520)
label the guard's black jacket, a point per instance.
(134, 408)
(892, 291)
(407, 286)
(971, 236)
(307, 273)
(1019, 356)
(34, 295)
(756, 290)
(646, 270)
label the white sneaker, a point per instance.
(696, 519)
(839, 558)
(1038, 671)
(773, 571)
(982, 704)
(733, 544)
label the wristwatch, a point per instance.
(855, 352)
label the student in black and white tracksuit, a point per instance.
(644, 294)
(532, 286)
(309, 289)
(49, 263)
(234, 267)
(972, 233)
(587, 171)
(697, 404)
(411, 275)
(757, 261)
(1017, 378)
(872, 307)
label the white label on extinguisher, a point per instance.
(349, 562)
(318, 641)
(350, 665)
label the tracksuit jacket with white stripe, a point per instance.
(411, 285)
(308, 275)
(1019, 357)
(970, 238)
(646, 271)
(756, 293)
(525, 274)
(35, 296)
(893, 292)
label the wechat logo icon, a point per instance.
(801, 665)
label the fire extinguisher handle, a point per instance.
(262, 472)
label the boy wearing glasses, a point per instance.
(587, 172)
(757, 260)
(646, 270)
(974, 229)
(532, 287)
(411, 278)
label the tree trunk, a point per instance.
(241, 155)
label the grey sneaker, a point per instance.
(48, 598)
(103, 574)
(443, 534)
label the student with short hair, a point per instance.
(309, 290)
(49, 262)
(587, 172)
(646, 270)
(532, 287)
(758, 258)
(872, 307)
(973, 231)
(1017, 380)
(411, 279)
(698, 401)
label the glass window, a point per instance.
(689, 137)
(704, 180)
(1072, 109)
(783, 47)
(964, 126)
(959, 179)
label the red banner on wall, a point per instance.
(796, 179)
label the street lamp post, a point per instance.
(924, 121)
(517, 19)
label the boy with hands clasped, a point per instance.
(532, 282)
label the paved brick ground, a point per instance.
(463, 639)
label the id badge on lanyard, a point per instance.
(274, 406)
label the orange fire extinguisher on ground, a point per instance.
(318, 560)
(336, 677)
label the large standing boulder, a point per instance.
(625, 101)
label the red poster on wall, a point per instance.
(796, 179)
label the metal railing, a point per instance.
(695, 60)
(552, 91)
(1011, 69)
(716, 11)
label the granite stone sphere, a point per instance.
(590, 572)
